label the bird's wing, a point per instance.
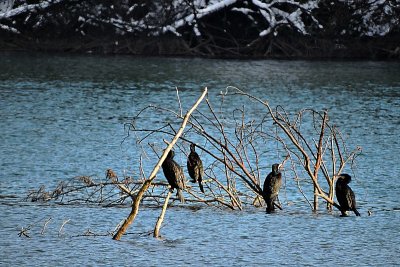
(267, 184)
(180, 179)
(351, 199)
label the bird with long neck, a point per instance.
(195, 167)
(174, 175)
(345, 195)
(272, 185)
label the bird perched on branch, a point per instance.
(271, 187)
(174, 174)
(344, 195)
(195, 167)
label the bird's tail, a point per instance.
(180, 195)
(201, 186)
(356, 212)
(270, 206)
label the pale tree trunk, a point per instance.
(319, 160)
(156, 233)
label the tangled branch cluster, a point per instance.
(237, 147)
(240, 148)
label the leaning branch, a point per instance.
(156, 233)
(137, 199)
(319, 159)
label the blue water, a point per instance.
(63, 116)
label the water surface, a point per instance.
(63, 116)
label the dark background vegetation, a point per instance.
(335, 29)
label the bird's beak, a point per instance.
(280, 166)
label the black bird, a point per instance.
(345, 196)
(272, 184)
(195, 167)
(174, 174)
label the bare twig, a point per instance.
(45, 225)
(62, 226)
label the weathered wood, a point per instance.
(319, 159)
(160, 219)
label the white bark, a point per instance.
(27, 8)
(378, 17)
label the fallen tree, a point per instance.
(238, 148)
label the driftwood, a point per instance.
(237, 156)
(238, 151)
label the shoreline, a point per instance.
(298, 48)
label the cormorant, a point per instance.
(345, 196)
(195, 167)
(174, 174)
(272, 184)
